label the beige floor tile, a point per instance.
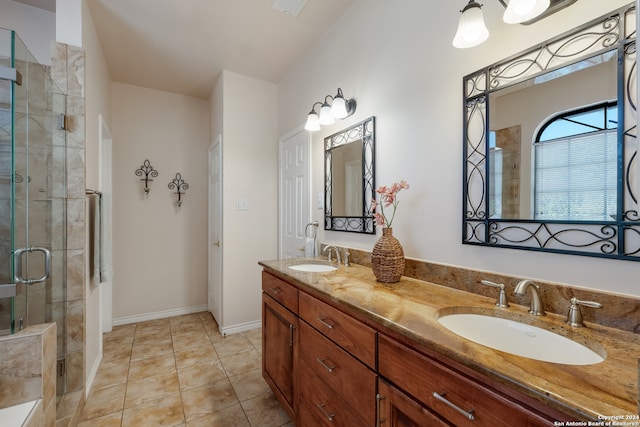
(151, 349)
(152, 324)
(152, 335)
(103, 402)
(121, 331)
(162, 412)
(151, 388)
(242, 362)
(117, 347)
(249, 385)
(157, 365)
(187, 322)
(202, 354)
(232, 416)
(265, 411)
(200, 374)
(110, 375)
(109, 341)
(113, 358)
(232, 345)
(185, 340)
(110, 420)
(181, 372)
(201, 401)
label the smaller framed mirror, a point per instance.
(349, 179)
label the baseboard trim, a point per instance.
(158, 315)
(92, 375)
(240, 327)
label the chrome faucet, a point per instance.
(335, 249)
(536, 304)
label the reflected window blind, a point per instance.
(575, 177)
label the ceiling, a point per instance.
(182, 46)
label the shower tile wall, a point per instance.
(67, 71)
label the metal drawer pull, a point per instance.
(467, 414)
(325, 366)
(379, 421)
(325, 323)
(275, 290)
(321, 407)
(291, 330)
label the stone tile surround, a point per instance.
(618, 311)
(26, 378)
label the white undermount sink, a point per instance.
(519, 338)
(313, 268)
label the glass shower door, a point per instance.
(7, 186)
(34, 251)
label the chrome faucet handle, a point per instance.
(574, 318)
(346, 257)
(502, 301)
(330, 248)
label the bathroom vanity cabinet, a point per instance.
(280, 339)
(443, 391)
(331, 367)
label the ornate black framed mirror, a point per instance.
(349, 173)
(550, 150)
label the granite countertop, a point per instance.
(410, 308)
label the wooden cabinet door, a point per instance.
(399, 410)
(279, 351)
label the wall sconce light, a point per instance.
(471, 28)
(180, 186)
(333, 107)
(147, 171)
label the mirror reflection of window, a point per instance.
(575, 158)
(522, 113)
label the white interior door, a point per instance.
(295, 189)
(215, 231)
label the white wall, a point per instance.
(159, 251)
(399, 64)
(97, 102)
(244, 111)
(36, 27)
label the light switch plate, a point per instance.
(242, 205)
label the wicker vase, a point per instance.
(387, 258)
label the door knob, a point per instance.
(217, 244)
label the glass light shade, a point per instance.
(339, 107)
(326, 118)
(471, 28)
(523, 10)
(312, 124)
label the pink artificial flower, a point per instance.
(388, 197)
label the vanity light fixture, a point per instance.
(333, 107)
(471, 28)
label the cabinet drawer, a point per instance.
(350, 379)
(352, 335)
(421, 377)
(399, 410)
(281, 291)
(321, 406)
